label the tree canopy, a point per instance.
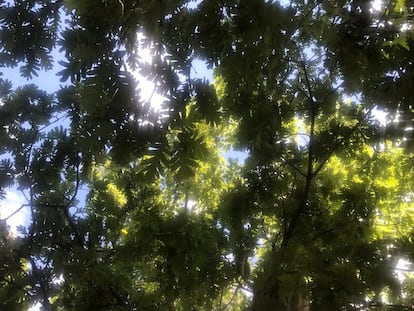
(137, 209)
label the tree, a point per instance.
(316, 218)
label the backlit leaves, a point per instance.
(129, 209)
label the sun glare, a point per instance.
(12, 203)
(380, 116)
(377, 5)
(147, 88)
(36, 307)
(402, 268)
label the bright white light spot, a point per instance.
(248, 293)
(408, 198)
(376, 6)
(406, 27)
(302, 139)
(147, 88)
(380, 116)
(229, 257)
(402, 268)
(193, 4)
(191, 206)
(384, 298)
(59, 280)
(285, 3)
(11, 204)
(36, 307)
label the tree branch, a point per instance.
(339, 142)
(297, 169)
(310, 174)
(15, 212)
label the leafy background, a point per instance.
(135, 208)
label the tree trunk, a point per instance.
(297, 303)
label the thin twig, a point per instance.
(15, 212)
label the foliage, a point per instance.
(320, 213)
